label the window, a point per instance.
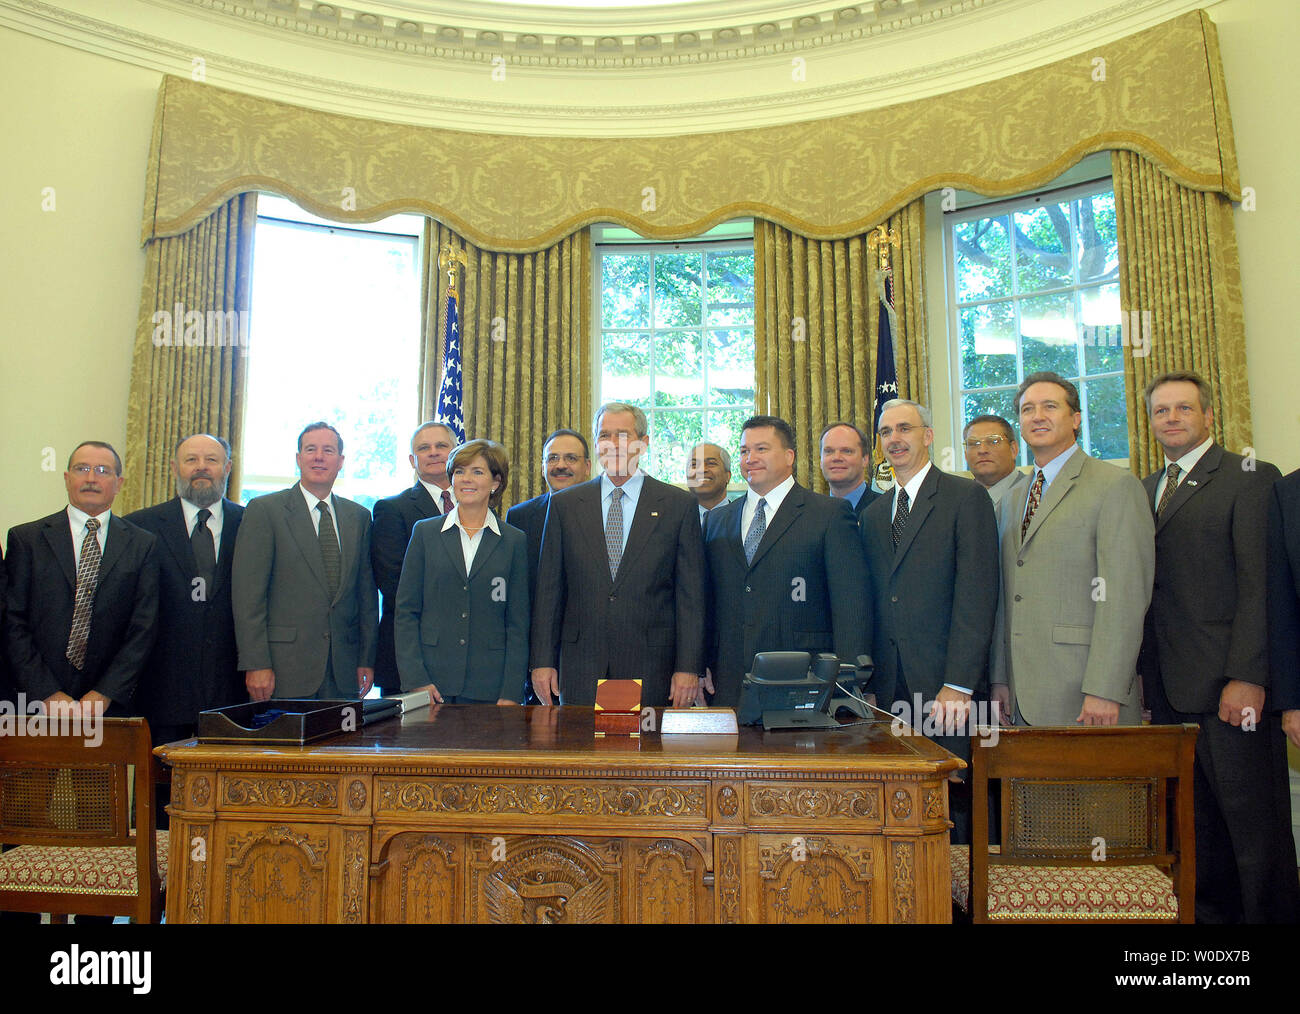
(334, 334)
(677, 339)
(1033, 285)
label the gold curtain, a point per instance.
(1158, 92)
(525, 323)
(816, 326)
(1180, 292)
(188, 369)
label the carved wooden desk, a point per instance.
(491, 814)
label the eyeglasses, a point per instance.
(974, 445)
(568, 459)
(903, 428)
(97, 469)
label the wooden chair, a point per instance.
(65, 803)
(1096, 826)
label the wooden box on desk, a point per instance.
(618, 707)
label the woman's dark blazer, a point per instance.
(466, 635)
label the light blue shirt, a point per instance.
(854, 496)
(631, 494)
(1050, 471)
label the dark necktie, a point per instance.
(329, 547)
(614, 532)
(900, 517)
(1035, 494)
(1171, 487)
(447, 505)
(756, 529)
(205, 553)
(87, 581)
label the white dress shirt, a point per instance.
(913, 487)
(191, 512)
(77, 519)
(436, 492)
(312, 500)
(1186, 463)
(469, 543)
(774, 499)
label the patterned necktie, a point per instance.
(1171, 487)
(87, 581)
(900, 517)
(1035, 494)
(614, 532)
(756, 529)
(447, 505)
(205, 553)
(329, 547)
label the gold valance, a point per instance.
(1159, 93)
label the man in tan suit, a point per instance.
(1078, 558)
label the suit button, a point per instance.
(464, 587)
(462, 641)
(326, 635)
(613, 597)
(464, 616)
(1017, 598)
(748, 588)
(1020, 563)
(893, 598)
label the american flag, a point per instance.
(450, 408)
(886, 373)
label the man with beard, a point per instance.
(566, 461)
(193, 666)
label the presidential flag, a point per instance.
(449, 409)
(886, 373)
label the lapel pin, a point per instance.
(654, 514)
(1191, 482)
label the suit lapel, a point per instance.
(916, 517)
(587, 511)
(231, 514)
(424, 503)
(1193, 482)
(1056, 492)
(489, 541)
(176, 538)
(450, 540)
(58, 533)
(346, 518)
(115, 544)
(791, 507)
(648, 514)
(731, 534)
(304, 533)
(1151, 483)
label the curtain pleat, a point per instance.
(188, 375)
(525, 337)
(1180, 296)
(816, 329)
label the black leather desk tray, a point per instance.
(288, 722)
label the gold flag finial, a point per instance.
(879, 240)
(448, 257)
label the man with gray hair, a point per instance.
(194, 664)
(708, 472)
(635, 610)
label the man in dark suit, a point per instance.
(1284, 602)
(932, 553)
(566, 461)
(306, 617)
(785, 566)
(6, 689)
(846, 464)
(1205, 658)
(636, 609)
(395, 516)
(81, 602)
(193, 665)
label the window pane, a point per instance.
(1103, 400)
(988, 345)
(983, 259)
(625, 290)
(679, 375)
(730, 287)
(1048, 336)
(1098, 245)
(625, 368)
(1042, 247)
(1102, 349)
(678, 289)
(731, 367)
(724, 430)
(672, 435)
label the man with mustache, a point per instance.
(395, 517)
(566, 461)
(990, 446)
(194, 663)
(81, 602)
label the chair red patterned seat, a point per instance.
(64, 802)
(1096, 826)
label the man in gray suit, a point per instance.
(991, 449)
(306, 616)
(1076, 574)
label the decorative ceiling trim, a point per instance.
(486, 42)
(355, 98)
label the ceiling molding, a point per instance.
(456, 106)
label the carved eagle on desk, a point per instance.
(538, 900)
